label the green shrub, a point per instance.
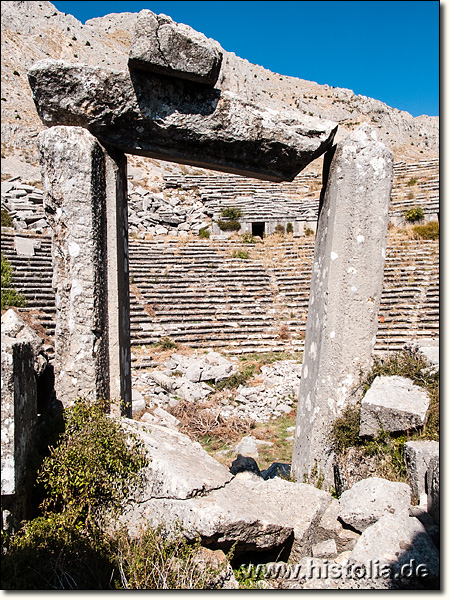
(6, 219)
(280, 229)
(166, 343)
(429, 231)
(231, 212)
(248, 238)
(9, 296)
(289, 228)
(240, 254)
(412, 181)
(414, 214)
(204, 233)
(229, 225)
(309, 231)
(93, 467)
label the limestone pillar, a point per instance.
(345, 293)
(85, 202)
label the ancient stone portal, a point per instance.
(345, 293)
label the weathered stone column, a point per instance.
(345, 293)
(85, 201)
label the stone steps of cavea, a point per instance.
(197, 295)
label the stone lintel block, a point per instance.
(159, 45)
(418, 456)
(176, 120)
(394, 404)
(345, 292)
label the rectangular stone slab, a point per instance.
(180, 121)
(160, 45)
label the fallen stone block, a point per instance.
(394, 404)
(399, 543)
(433, 489)
(418, 456)
(178, 468)
(160, 45)
(368, 500)
(24, 246)
(177, 120)
(325, 549)
(137, 402)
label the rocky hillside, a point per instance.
(32, 31)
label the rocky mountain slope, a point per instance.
(32, 31)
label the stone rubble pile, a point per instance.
(165, 213)
(191, 379)
(24, 203)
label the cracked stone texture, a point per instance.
(433, 489)
(178, 468)
(348, 269)
(15, 327)
(418, 456)
(396, 540)
(370, 499)
(394, 404)
(258, 515)
(160, 45)
(177, 120)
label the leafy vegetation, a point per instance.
(415, 214)
(412, 182)
(9, 296)
(86, 476)
(248, 238)
(280, 229)
(289, 228)
(6, 219)
(166, 343)
(204, 233)
(309, 232)
(232, 225)
(429, 231)
(231, 212)
(240, 254)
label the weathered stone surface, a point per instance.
(178, 467)
(24, 246)
(18, 415)
(433, 489)
(179, 121)
(258, 515)
(418, 456)
(137, 402)
(85, 202)
(368, 500)
(325, 549)
(223, 577)
(429, 348)
(394, 404)
(396, 540)
(160, 45)
(15, 327)
(248, 446)
(345, 292)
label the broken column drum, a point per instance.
(345, 293)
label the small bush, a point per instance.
(166, 343)
(284, 333)
(240, 254)
(204, 233)
(289, 228)
(414, 214)
(429, 231)
(7, 220)
(9, 296)
(280, 229)
(231, 212)
(410, 195)
(248, 238)
(229, 225)
(412, 181)
(309, 231)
